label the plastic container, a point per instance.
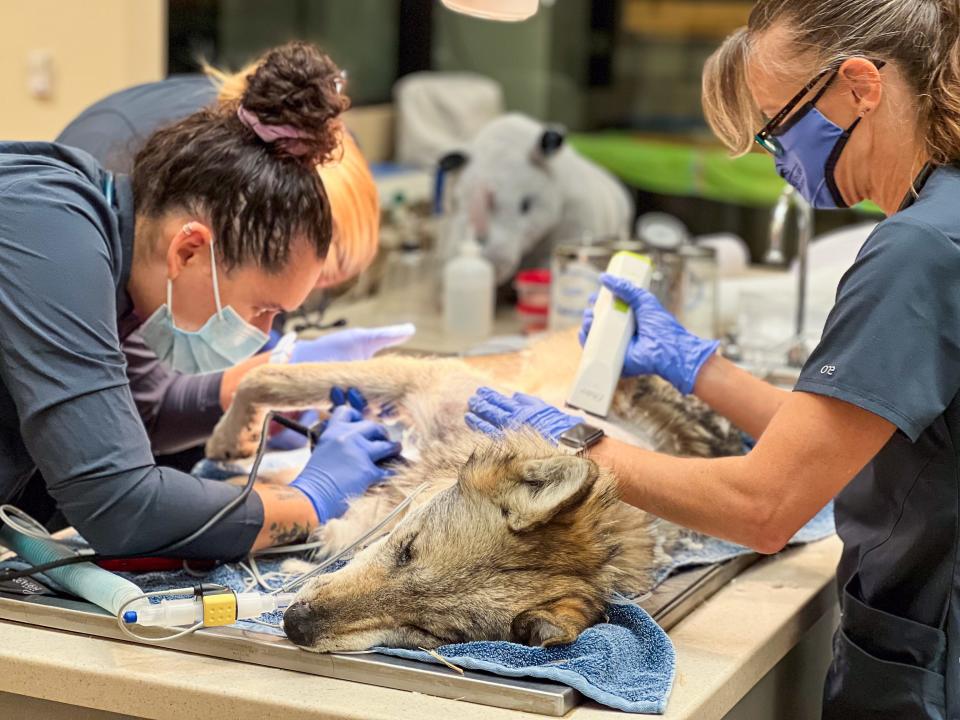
(533, 289)
(575, 273)
(469, 287)
(406, 287)
(532, 319)
(685, 281)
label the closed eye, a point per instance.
(405, 552)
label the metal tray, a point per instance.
(668, 604)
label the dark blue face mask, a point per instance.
(811, 147)
(807, 147)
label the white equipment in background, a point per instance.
(606, 346)
(732, 253)
(760, 303)
(524, 191)
(438, 112)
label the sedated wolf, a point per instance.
(512, 539)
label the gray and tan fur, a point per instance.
(511, 539)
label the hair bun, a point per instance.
(299, 87)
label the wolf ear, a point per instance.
(551, 140)
(557, 624)
(545, 488)
(453, 161)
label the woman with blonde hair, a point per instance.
(179, 409)
(854, 100)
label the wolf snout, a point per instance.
(300, 624)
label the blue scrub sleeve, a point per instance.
(179, 411)
(892, 341)
(61, 361)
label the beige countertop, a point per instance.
(723, 649)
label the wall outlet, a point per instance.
(40, 74)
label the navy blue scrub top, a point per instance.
(178, 410)
(115, 128)
(892, 346)
(65, 402)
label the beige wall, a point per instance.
(95, 46)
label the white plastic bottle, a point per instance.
(469, 290)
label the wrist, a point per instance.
(709, 372)
(695, 356)
(288, 515)
(232, 377)
(553, 423)
(328, 502)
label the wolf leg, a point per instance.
(678, 425)
(308, 385)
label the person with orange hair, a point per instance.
(179, 410)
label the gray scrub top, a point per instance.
(892, 346)
(179, 411)
(65, 401)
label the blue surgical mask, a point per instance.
(223, 341)
(812, 145)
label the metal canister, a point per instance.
(575, 272)
(685, 282)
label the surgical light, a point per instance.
(505, 10)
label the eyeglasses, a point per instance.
(766, 139)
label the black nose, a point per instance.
(298, 626)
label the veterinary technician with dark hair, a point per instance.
(179, 410)
(855, 100)
(224, 223)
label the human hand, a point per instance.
(660, 345)
(289, 439)
(352, 344)
(491, 413)
(345, 462)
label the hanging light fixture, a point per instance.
(504, 10)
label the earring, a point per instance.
(187, 229)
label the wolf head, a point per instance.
(518, 547)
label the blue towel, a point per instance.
(627, 663)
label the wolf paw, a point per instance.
(223, 446)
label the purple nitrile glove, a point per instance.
(345, 462)
(660, 346)
(288, 439)
(491, 413)
(353, 344)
